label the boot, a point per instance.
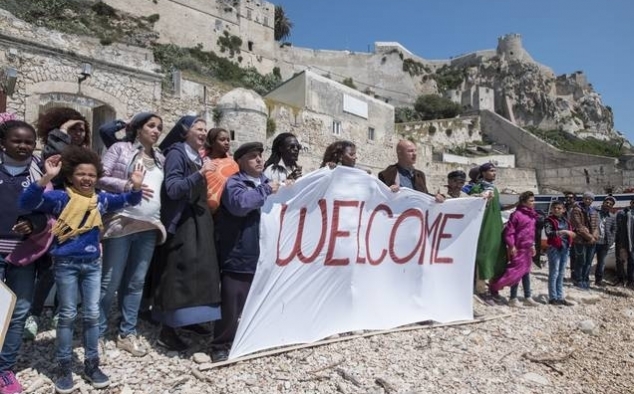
(64, 383)
(94, 375)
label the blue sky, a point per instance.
(566, 35)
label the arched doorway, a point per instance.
(96, 112)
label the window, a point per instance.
(371, 133)
(250, 45)
(232, 134)
(266, 21)
(336, 127)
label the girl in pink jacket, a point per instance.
(519, 236)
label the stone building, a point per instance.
(321, 111)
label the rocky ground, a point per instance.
(586, 348)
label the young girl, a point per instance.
(519, 236)
(18, 229)
(76, 250)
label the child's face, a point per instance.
(530, 202)
(19, 144)
(84, 179)
(558, 210)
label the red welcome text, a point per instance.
(432, 231)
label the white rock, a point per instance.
(200, 358)
(536, 378)
(588, 327)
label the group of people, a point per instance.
(172, 229)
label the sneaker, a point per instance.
(554, 302)
(599, 283)
(30, 327)
(514, 303)
(64, 383)
(132, 345)
(498, 299)
(94, 375)
(566, 303)
(530, 302)
(9, 383)
(55, 320)
(486, 298)
(170, 340)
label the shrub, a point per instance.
(349, 82)
(270, 127)
(433, 106)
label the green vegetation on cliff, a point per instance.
(567, 142)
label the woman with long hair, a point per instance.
(60, 127)
(131, 234)
(340, 153)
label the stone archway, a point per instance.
(96, 105)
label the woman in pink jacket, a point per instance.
(131, 234)
(519, 237)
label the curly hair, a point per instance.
(10, 125)
(276, 148)
(335, 151)
(73, 156)
(55, 117)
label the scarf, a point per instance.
(79, 216)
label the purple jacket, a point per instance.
(117, 165)
(520, 229)
(238, 223)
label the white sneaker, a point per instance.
(514, 303)
(530, 302)
(132, 345)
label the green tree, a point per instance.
(283, 25)
(433, 106)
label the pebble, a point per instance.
(588, 327)
(536, 378)
(201, 358)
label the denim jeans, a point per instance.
(556, 272)
(526, 286)
(71, 275)
(583, 261)
(601, 252)
(43, 284)
(125, 262)
(21, 280)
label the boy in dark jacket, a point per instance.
(238, 239)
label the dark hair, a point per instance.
(556, 203)
(73, 156)
(54, 118)
(137, 123)
(10, 125)
(525, 196)
(212, 135)
(276, 148)
(335, 151)
(569, 192)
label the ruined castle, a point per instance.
(503, 89)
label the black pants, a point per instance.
(234, 289)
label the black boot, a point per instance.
(64, 383)
(170, 340)
(94, 375)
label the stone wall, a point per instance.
(556, 169)
(187, 23)
(442, 133)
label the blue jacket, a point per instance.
(178, 186)
(238, 223)
(85, 245)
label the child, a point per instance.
(19, 228)
(519, 237)
(559, 234)
(76, 250)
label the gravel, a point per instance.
(586, 348)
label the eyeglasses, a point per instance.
(294, 146)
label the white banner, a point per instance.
(340, 252)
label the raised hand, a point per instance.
(136, 178)
(53, 165)
(208, 166)
(69, 124)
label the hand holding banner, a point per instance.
(340, 252)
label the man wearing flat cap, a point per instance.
(455, 182)
(238, 239)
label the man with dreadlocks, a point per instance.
(282, 164)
